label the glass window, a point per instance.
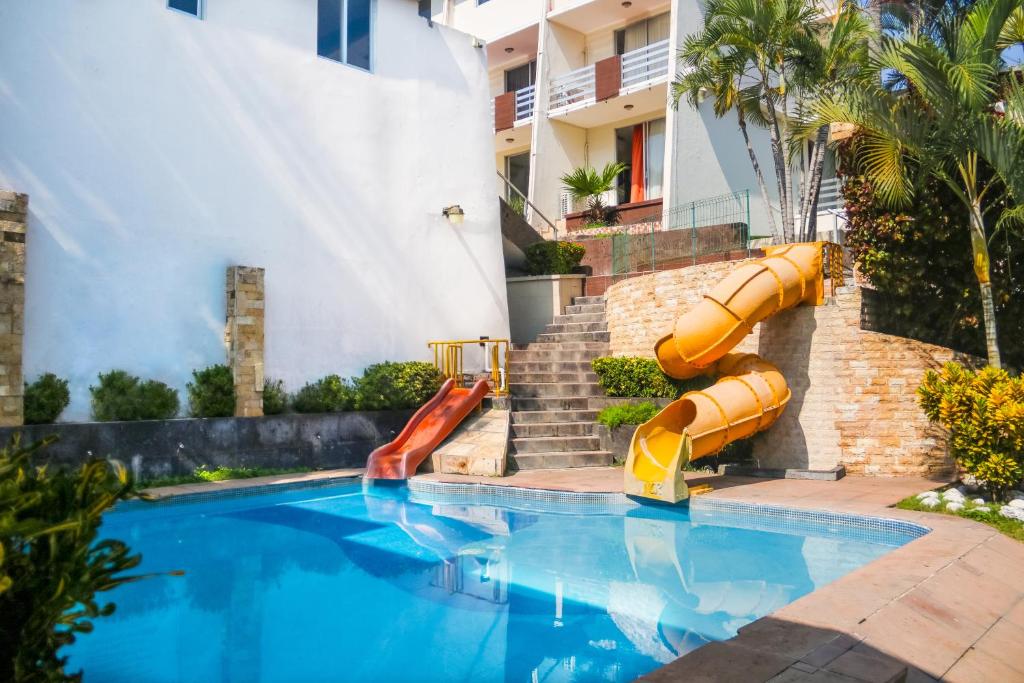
(642, 33)
(344, 31)
(193, 7)
(642, 149)
(520, 77)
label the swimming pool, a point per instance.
(460, 583)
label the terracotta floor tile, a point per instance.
(979, 667)
(1005, 642)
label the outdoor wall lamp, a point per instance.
(454, 213)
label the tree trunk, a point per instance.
(781, 175)
(809, 208)
(979, 247)
(759, 176)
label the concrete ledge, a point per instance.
(833, 474)
(156, 448)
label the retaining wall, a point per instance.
(854, 400)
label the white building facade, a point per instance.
(161, 141)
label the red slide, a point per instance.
(426, 430)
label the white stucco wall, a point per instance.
(158, 149)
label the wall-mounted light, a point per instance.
(454, 213)
(627, 4)
(509, 50)
(627, 107)
(510, 140)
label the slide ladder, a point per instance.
(750, 393)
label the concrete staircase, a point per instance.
(551, 383)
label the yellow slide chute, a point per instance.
(751, 392)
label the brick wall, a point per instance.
(854, 399)
(13, 211)
(244, 336)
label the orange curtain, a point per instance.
(637, 183)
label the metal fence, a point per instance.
(696, 232)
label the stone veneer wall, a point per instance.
(854, 400)
(244, 337)
(13, 212)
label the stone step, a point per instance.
(585, 300)
(554, 444)
(520, 367)
(585, 308)
(597, 347)
(551, 403)
(542, 354)
(555, 390)
(578, 318)
(536, 417)
(554, 461)
(564, 337)
(533, 430)
(568, 377)
(576, 327)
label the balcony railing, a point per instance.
(830, 196)
(645, 65)
(638, 68)
(524, 102)
(511, 108)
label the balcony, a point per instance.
(512, 111)
(582, 97)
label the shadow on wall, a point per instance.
(772, 647)
(786, 443)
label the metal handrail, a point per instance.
(645, 64)
(525, 102)
(533, 208)
(449, 354)
(573, 88)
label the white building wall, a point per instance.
(158, 149)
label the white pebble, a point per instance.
(983, 508)
(953, 494)
(954, 507)
(927, 494)
(978, 501)
(1012, 513)
(1017, 503)
(930, 502)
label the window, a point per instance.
(642, 149)
(521, 77)
(642, 33)
(344, 30)
(517, 170)
(193, 7)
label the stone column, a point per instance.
(13, 210)
(244, 337)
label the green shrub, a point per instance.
(553, 258)
(45, 399)
(121, 396)
(51, 565)
(331, 394)
(636, 377)
(627, 414)
(984, 413)
(212, 392)
(397, 386)
(275, 400)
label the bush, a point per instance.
(627, 414)
(984, 413)
(397, 386)
(331, 394)
(275, 400)
(636, 377)
(46, 399)
(51, 565)
(121, 396)
(553, 258)
(212, 393)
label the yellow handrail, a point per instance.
(448, 358)
(834, 253)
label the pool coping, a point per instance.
(947, 605)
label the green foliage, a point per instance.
(984, 413)
(45, 399)
(627, 414)
(51, 564)
(1011, 527)
(587, 184)
(212, 392)
(397, 386)
(635, 377)
(517, 204)
(121, 396)
(275, 399)
(915, 259)
(331, 394)
(553, 258)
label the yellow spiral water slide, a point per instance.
(750, 393)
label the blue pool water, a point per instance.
(339, 584)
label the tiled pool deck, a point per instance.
(947, 606)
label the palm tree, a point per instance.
(586, 184)
(763, 59)
(931, 107)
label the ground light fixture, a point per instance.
(627, 4)
(454, 213)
